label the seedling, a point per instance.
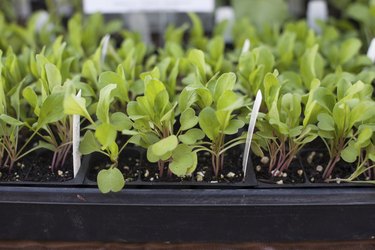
(101, 134)
(281, 133)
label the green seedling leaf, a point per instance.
(209, 122)
(204, 97)
(51, 110)
(191, 136)
(120, 121)
(106, 134)
(89, 144)
(308, 139)
(325, 134)
(182, 160)
(271, 89)
(188, 119)
(45, 145)
(364, 137)
(225, 82)
(105, 99)
(326, 122)
(349, 49)
(362, 112)
(53, 76)
(229, 101)
(110, 180)
(196, 57)
(74, 105)
(109, 77)
(152, 88)
(349, 154)
(187, 98)
(151, 157)
(30, 96)
(233, 127)
(113, 151)
(10, 120)
(309, 66)
(164, 146)
(340, 115)
(89, 71)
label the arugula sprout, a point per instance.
(84, 35)
(175, 34)
(363, 13)
(362, 150)
(167, 72)
(281, 132)
(153, 115)
(197, 38)
(217, 118)
(10, 122)
(338, 124)
(242, 30)
(252, 67)
(102, 134)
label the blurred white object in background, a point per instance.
(226, 13)
(316, 10)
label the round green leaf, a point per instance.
(89, 144)
(326, 122)
(120, 121)
(349, 154)
(183, 159)
(164, 146)
(191, 136)
(188, 119)
(110, 180)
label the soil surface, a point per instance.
(134, 166)
(293, 175)
(129, 163)
(315, 161)
(36, 168)
(231, 173)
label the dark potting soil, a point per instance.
(231, 173)
(128, 164)
(36, 168)
(293, 175)
(315, 162)
(149, 172)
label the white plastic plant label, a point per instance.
(226, 13)
(316, 10)
(246, 46)
(250, 131)
(126, 6)
(371, 51)
(105, 43)
(76, 140)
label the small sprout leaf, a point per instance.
(191, 136)
(188, 119)
(10, 120)
(110, 180)
(106, 134)
(183, 160)
(120, 121)
(89, 144)
(164, 146)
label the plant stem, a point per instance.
(335, 149)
